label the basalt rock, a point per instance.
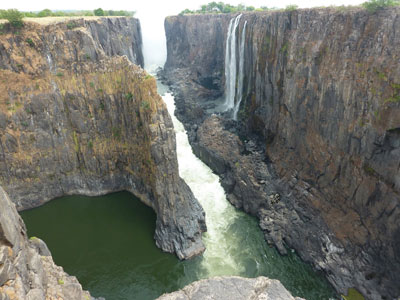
(322, 106)
(232, 288)
(75, 120)
(27, 271)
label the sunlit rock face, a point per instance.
(77, 116)
(232, 288)
(321, 99)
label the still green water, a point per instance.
(107, 243)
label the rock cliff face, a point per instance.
(322, 103)
(232, 288)
(27, 271)
(76, 120)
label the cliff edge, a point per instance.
(78, 118)
(319, 125)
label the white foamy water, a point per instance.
(230, 63)
(241, 72)
(220, 214)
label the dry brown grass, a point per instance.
(54, 20)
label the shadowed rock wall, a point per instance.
(322, 97)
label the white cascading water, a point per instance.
(221, 246)
(230, 63)
(218, 258)
(241, 73)
(234, 242)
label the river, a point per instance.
(107, 241)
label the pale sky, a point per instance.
(152, 13)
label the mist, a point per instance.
(154, 41)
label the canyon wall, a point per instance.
(78, 118)
(322, 104)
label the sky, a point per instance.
(152, 13)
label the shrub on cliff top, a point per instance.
(99, 12)
(291, 7)
(374, 5)
(13, 16)
(221, 8)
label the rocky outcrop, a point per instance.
(27, 271)
(76, 121)
(232, 288)
(321, 104)
(117, 36)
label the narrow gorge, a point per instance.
(268, 145)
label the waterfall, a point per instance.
(241, 73)
(230, 63)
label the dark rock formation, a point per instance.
(27, 271)
(232, 288)
(118, 36)
(322, 106)
(77, 121)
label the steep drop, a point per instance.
(321, 99)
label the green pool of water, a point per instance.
(107, 243)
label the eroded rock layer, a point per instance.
(322, 103)
(75, 120)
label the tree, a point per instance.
(44, 13)
(13, 16)
(291, 7)
(99, 12)
(186, 12)
(374, 5)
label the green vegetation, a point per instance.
(375, 5)
(291, 7)
(285, 48)
(13, 13)
(60, 74)
(370, 171)
(30, 42)
(60, 281)
(45, 13)
(353, 294)
(76, 141)
(222, 8)
(72, 25)
(99, 12)
(116, 132)
(129, 96)
(145, 105)
(13, 16)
